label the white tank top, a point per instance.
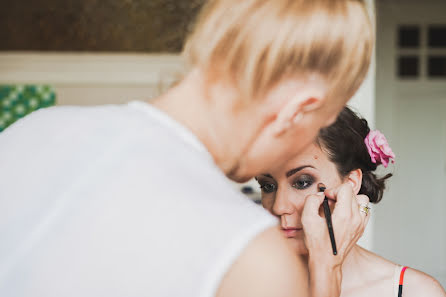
(116, 200)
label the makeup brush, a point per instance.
(327, 213)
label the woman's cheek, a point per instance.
(267, 203)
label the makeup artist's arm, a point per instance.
(267, 267)
(348, 225)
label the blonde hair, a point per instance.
(256, 43)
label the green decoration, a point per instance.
(17, 101)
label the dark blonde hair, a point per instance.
(256, 43)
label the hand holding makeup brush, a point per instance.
(348, 226)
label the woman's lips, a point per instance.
(291, 232)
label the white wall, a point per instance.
(410, 226)
(89, 79)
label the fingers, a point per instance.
(362, 217)
(362, 200)
(344, 197)
(366, 221)
(347, 208)
(348, 221)
(311, 206)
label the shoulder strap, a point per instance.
(401, 281)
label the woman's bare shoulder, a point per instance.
(382, 267)
(418, 283)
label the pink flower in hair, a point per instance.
(379, 149)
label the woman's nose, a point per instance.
(282, 204)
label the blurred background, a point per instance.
(89, 52)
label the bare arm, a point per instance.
(266, 268)
(325, 280)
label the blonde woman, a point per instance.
(133, 200)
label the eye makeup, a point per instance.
(303, 182)
(266, 185)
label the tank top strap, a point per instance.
(398, 280)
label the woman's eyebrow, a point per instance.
(267, 175)
(295, 170)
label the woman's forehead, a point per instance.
(312, 155)
(312, 158)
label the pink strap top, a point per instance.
(398, 280)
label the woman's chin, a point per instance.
(298, 246)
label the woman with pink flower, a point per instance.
(345, 152)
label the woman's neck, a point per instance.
(357, 268)
(355, 261)
(210, 114)
(362, 267)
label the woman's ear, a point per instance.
(355, 180)
(293, 112)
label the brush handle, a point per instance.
(329, 225)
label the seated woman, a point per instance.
(346, 151)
